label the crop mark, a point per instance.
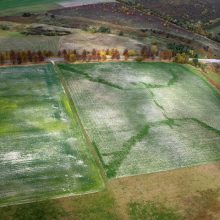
(203, 124)
(90, 78)
(171, 82)
(126, 148)
(158, 105)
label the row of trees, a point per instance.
(94, 55)
(22, 57)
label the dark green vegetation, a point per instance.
(146, 117)
(179, 48)
(43, 153)
(34, 211)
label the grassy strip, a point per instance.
(158, 105)
(118, 158)
(200, 123)
(151, 86)
(73, 109)
(98, 153)
(174, 78)
(201, 75)
(171, 122)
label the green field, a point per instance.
(8, 7)
(146, 117)
(139, 117)
(43, 153)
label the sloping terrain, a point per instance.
(111, 14)
(145, 118)
(191, 10)
(80, 40)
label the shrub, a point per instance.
(4, 27)
(132, 52)
(121, 33)
(104, 30)
(181, 58)
(139, 59)
(179, 48)
(26, 14)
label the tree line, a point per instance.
(146, 52)
(22, 57)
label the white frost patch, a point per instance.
(71, 156)
(80, 162)
(71, 141)
(14, 155)
(63, 117)
(78, 175)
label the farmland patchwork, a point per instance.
(145, 118)
(43, 153)
(136, 117)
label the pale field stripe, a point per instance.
(76, 3)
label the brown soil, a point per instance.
(187, 190)
(216, 85)
(173, 188)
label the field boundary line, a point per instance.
(201, 74)
(91, 148)
(217, 163)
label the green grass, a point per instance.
(146, 117)
(34, 211)
(8, 7)
(43, 153)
